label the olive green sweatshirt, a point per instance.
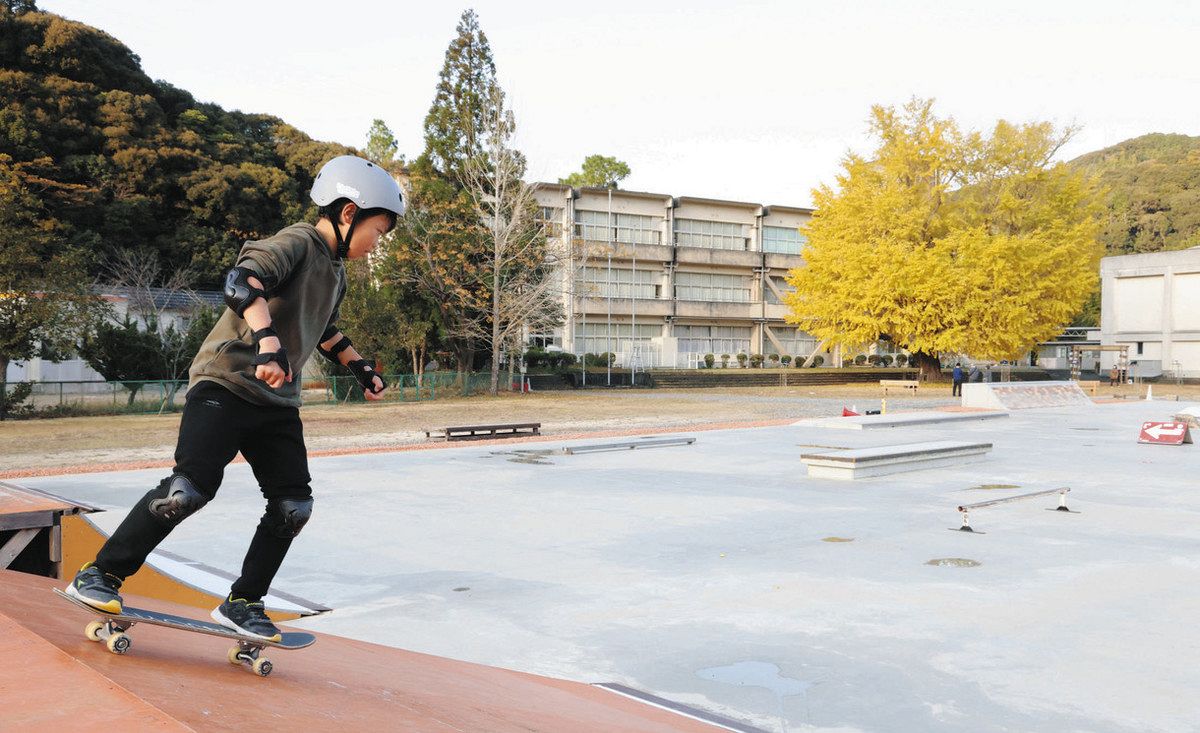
(305, 286)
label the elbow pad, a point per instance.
(239, 293)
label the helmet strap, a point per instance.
(343, 245)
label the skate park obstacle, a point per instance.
(967, 508)
(475, 432)
(887, 459)
(631, 445)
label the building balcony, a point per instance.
(724, 257)
(776, 311)
(714, 310)
(625, 307)
(777, 261)
(600, 251)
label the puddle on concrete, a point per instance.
(756, 674)
(956, 562)
(837, 539)
(989, 487)
(460, 590)
(535, 457)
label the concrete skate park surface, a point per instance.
(719, 575)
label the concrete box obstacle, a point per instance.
(889, 459)
(895, 420)
(1023, 395)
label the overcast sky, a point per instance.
(750, 101)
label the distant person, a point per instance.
(976, 374)
(283, 297)
(1114, 374)
(956, 378)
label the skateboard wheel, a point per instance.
(93, 631)
(262, 667)
(234, 651)
(119, 643)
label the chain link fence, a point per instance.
(80, 398)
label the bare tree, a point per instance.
(526, 267)
(151, 293)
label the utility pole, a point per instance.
(608, 323)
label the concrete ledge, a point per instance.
(889, 459)
(903, 419)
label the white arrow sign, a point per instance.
(1158, 431)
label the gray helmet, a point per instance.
(361, 181)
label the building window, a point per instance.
(597, 337)
(795, 342)
(599, 226)
(604, 282)
(782, 286)
(1139, 347)
(783, 240)
(712, 287)
(711, 234)
(714, 340)
(550, 219)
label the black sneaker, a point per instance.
(246, 618)
(97, 589)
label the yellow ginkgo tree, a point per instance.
(948, 241)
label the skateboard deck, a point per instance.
(112, 630)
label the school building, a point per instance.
(1151, 303)
(663, 280)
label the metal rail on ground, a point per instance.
(632, 445)
(967, 508)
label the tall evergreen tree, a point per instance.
(441, 246)
(467, 96)
(382, 146)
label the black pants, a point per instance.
(956, 390)
(216, 425)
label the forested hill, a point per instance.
(118, 160)
(1153, 192)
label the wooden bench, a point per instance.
(899, 384)
(1090, 386)
(476, 432)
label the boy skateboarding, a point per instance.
(283, 296)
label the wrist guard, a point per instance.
(263, 333)
(364, 372)
(279, 357)
(332, 352)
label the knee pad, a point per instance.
(176, 499)
(286, 517)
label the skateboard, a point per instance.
(248, 652)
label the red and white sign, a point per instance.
(1165, 433)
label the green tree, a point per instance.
(44, 298)
(382, 146)
(440, 247)
(122, 352)
(145, 164)
(466, 96)
(598, 171)
(948, 241)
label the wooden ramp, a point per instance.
(176, 681)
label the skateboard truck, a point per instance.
(248, 653)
